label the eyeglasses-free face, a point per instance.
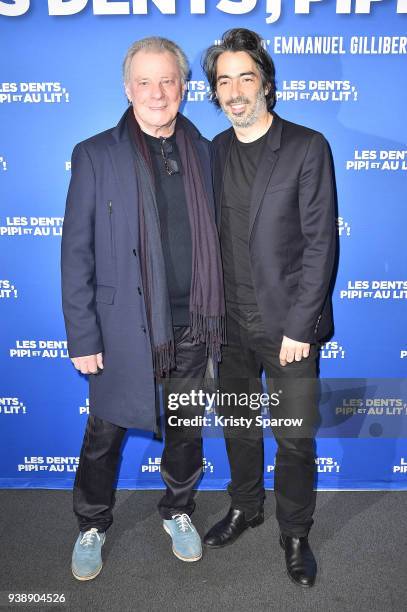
(239, 89)
(155, 89)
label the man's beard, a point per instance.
(259, 107)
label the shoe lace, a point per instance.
(88, 536)
(183, 522)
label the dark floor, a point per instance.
(359, 540)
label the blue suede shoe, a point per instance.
(186, 543)
(87, 554)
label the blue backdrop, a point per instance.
(341, 69)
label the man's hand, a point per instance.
(88, 364)
(291, 349)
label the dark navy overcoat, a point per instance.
(102, 292)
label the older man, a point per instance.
(139, 255)
(274, 192)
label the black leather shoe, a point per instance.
(229, 528)
(299, 559)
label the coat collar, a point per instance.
(120, 132)
(122, 158)
(273, 140)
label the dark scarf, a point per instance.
(206, 303)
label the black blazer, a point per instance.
(292, 229)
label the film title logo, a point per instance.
(33, 93)
(12, 405)
(7, 290)
(332, 350)
(51, 349)
(32, 226)
(324, 465)
(327, 465)
(207, 466)
(402, 468)
(373, 406)
(84, 409)
(343, 227)
(383, 159)
(153, 465)
(197, 91)
(48, 464)
(273, 8)
(375, 289)
(317, 91)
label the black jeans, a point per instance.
(181, 464)
(248, 352)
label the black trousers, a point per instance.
(181, 464)
(248, 352)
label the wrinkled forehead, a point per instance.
(151, 63)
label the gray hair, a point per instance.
(159, 45)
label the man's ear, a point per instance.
(126, 89)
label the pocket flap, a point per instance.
(291, 184)
(293, 278)
(105, 294)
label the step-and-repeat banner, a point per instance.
(341, 69)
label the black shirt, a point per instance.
(175, 228)
(240, 173)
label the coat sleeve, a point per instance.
(318, 227)
(78, 259)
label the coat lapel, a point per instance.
(265, 170)
(222, 156)
(123, 163)
(263, 175)
(122, 158)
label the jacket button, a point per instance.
(134, 252)
(139, 290)
(143, 329)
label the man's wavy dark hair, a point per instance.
(241, 39)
